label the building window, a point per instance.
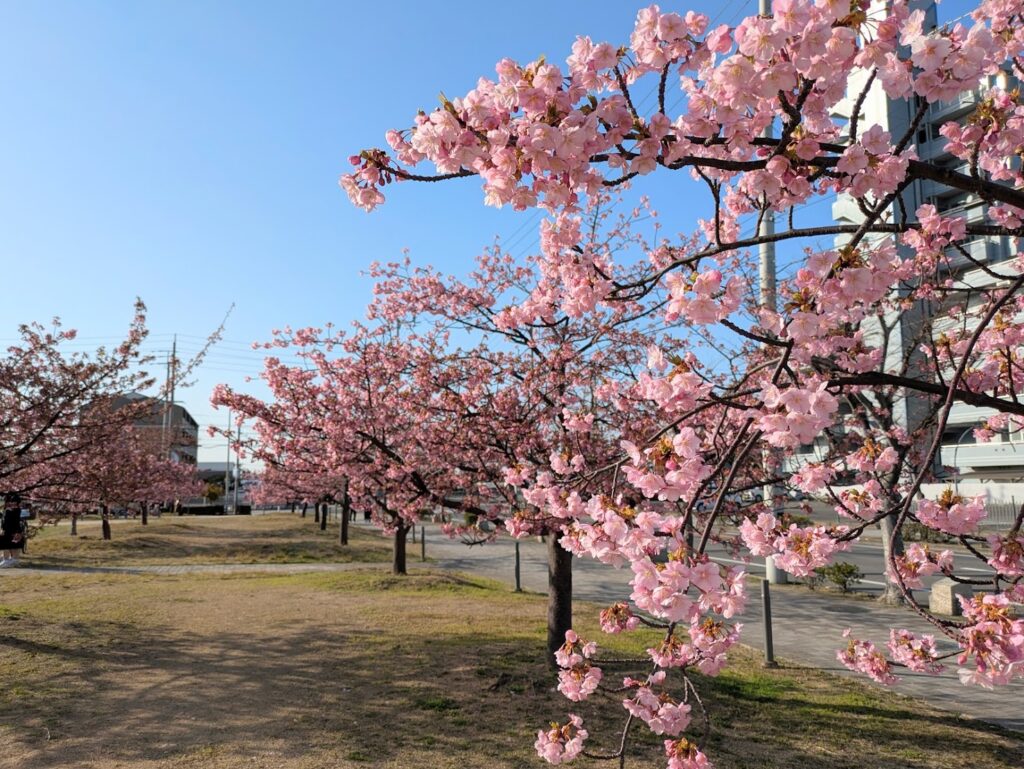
(959, 437)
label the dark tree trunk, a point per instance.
(343, 529)
(304, 506)
(559, 595)
(145, 513)
(323, 518)
(293, 508)
(398, 562)
(74, 524)
(891, 595)
(316, 512)
(105, 521)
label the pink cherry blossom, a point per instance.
(951, 513)
(683, 754)
(862, 657)
(562, 742)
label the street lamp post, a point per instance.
(956, 467)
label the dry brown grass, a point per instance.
(363, 669)
(274, 538)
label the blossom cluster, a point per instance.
(1007, 554)
(796, 415)
(578, 679)
(917, 562)
(684, 754)
(993, 640)
(863, 657)
(561, 742)
(952, 513)
(797, 550)
(661, 713)
(914, 653)
(664, 589)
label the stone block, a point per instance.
(943, 596)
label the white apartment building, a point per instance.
(1001, 460)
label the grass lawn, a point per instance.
(171, 539)
(363, 669)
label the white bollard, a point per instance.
(773, 573)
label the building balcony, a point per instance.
(933, 149)
(981, 251)
(952, 108)
(969, 456)
(963, 414)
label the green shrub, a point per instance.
(916, 532)
(814, 580)
(841, 574)
(788, 518)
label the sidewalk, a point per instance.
(198, 568)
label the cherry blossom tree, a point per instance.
(554, 383)
(69, 437)
(288, 441)
(344, 424)
(766, 117)
(128, 470)
(60, 405)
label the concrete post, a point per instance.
(519, 586)
(769, 645)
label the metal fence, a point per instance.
(1001, 513)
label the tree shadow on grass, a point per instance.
(156, 696)
(364, 696)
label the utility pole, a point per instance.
(766, 251)
(768, 299)
(170, 406)
(238, 472)
(227, 465)
(165, 425)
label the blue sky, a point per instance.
(188, 153)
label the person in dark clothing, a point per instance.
(12, 537)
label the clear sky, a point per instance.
(188, 153)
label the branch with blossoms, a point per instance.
(875, 340)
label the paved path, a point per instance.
(807, 626)
(197, 568)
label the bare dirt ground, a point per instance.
(364, 669)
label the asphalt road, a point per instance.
(868, 557)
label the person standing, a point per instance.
(12, 537)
